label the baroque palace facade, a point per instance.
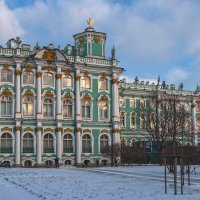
(69, 103)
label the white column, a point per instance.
(17, 145)
(39, 95)
(194, 131)
(39, 146)
(78, 145)
(115, 100)
(18, 92)
(58, 96)
(58, 143)
(77, 98)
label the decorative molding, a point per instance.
(39, 74)
(48, 94)
(6, 92)
(28, 129)
(48, 68)
(81, 39)
(39, 129)
(115, 81)
(86, 131)
(86, 97)
(28, 93)
(104, 131)
(96, 38)
(58, 76)
(78, 129)
(103, 74)
(49, 56)
(59, 129)
(18, 72)
(116, 130)
(86, 73)
(48, 130)
(68, 130)
(68, 96)
(78, 78)
(17, 128)
(6, 66)
(6, 129)
(193, 105)
(67, 72)
(28, 68)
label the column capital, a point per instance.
(58, 76)
(18, 72)
(78, 129)
(17, 128)
(116, 130)
(39, 128)
(39, 74)
(59, 129)
(115, 81)
(78, 77)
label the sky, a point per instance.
(151, 37)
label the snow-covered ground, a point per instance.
(137, 182)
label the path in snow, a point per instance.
(83, 184)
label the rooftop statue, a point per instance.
(90, 22)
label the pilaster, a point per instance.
(39, 90)
(17, 145)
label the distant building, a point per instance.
(69, 103)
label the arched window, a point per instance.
(6, 143)
(133, 120)
(86, 144)
(121, 102)
(86, 82)
(48, 143)
(142, 121)
(48, 107)
(6, 106)
(67, 143)
(67, 81)
(132, 102)
(86, 108)
(28, 77)
(48, 79)
(152, 121)
(142, 103)
(103, 83)
(122, 119)
(28, 106)
(6, 75)
(28, 143)
(104, 142)
(103, 109)
(67, 108)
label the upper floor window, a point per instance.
(67, 108)
(133, 120)
(86, 108)
(48, 79)
(132, 102)
(67, 81)
(6, 75)
(28, 146)
(142, 103)
(103, 109)
(6, 105)
(6, 143)
(48, 143)
(48, 108)
(86, 82)
(122, 119)
(142, 121)
(103, 83)
(67, 143)
(28, 78)
(28, 106)
(104, 142)
(86, 144)
(121, 102)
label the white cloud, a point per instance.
(9, 24)
(177, 74)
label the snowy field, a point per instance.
(138, 182)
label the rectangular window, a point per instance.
(48, 79)
(67, 81)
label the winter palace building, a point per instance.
(70, 103)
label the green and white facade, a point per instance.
(68, 102)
